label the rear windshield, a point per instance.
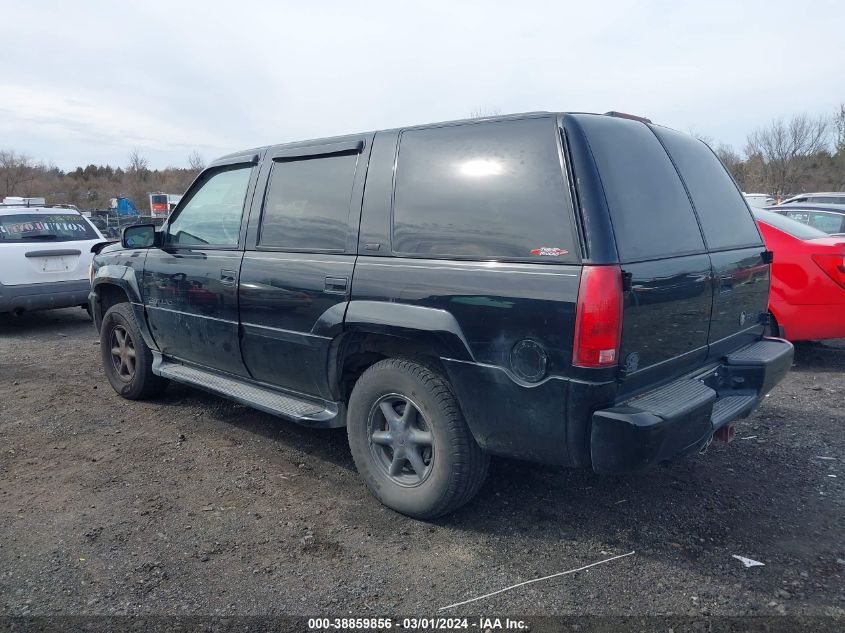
(723, 214)
(159, 199)
(38, 227)
(651, 213)
(785, 224)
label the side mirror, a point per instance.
(139, 236)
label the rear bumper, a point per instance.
(59, 294)
(682, 416)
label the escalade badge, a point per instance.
(549, 252)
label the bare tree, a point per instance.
(786, 148)
(138, 165)
(195, 161)
(483, 113)
(705, 138)
(733, 161)
(15, 170)
(839, 129)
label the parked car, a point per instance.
(807, 299)
(758, 200)
(450, 291)
(44, 258)
(825, 197)
(829, 218)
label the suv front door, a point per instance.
(190, 285)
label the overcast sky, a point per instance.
(86, 82)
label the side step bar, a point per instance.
(305, 412)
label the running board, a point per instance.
(305, 412)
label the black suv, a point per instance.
(580, 289)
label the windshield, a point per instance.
(785, 224)
(38, 227)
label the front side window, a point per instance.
(38, 227)
(307, 203)
(213, 214)
(483, 191)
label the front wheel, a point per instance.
(410, 442)
(127, 360)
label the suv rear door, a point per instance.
(741, 274)
(669, 294)
(297, 270)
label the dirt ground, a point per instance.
(194, 505)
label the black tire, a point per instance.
(130, 373)
(452, 464)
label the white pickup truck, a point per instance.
(44, 257)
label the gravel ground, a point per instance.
(194, 505)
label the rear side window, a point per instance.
(827, 222)
(483, 191)
(307, 203)
(212, 216)
(649, 208)
(723, 214)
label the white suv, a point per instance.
(44, 257)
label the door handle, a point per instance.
(336, 285)
(228, 277)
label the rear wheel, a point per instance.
(410, 442)
(127, 360)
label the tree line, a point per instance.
(790, 156)
(92, 186)
(786, 157)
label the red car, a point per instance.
(807, 297)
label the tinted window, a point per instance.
(213, 214)
(827, 222)
(723, 214)
(649, 208)
(307, 203)
(40, 227)
(787, 225)
(799, 216)
(483, 191)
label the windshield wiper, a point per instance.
(45, 236)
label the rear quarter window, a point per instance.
(649, 207)
(483, 191)
(724, 216)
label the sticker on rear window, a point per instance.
(548, 251)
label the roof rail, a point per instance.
(624, 115)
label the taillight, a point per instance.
(833, 265)
(598, 317)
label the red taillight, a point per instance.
(598, 317)
(833, 265)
